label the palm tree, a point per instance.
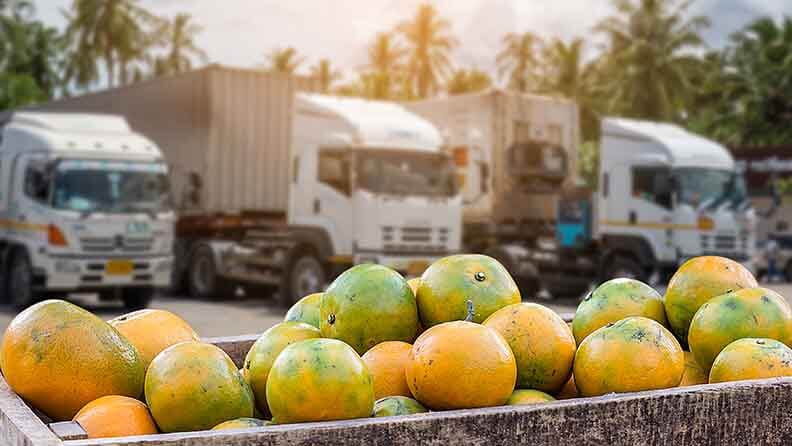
(107, 30)
(468, 81)
(180, 37)
(517, 60)
(284, 60)
(385, 64)
(325, 74)
(430, 40)
(648, 61)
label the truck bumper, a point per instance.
(74, 274)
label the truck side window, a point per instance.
(296, 169)
(334, 171)
(652, 184)
(36, 184)
(605, 184)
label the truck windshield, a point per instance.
(110, 186)
(400, 173)
(710, 187)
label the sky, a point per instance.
(242, 32)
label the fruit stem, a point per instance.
(470, 312)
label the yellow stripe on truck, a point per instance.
(22, 226)
(627, 224)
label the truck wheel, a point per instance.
(304, 275)
(19, 291)
(624, 267)
(137, 298)
(203, 281)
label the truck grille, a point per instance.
(116, 244)
(414, 239)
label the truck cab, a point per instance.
(667, 195)
(84, 207)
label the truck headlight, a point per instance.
(67, 267)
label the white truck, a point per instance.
(276, 188)
(84, 206)
(667, 195)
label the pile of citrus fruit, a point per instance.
(375, 344)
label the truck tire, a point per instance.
(620, 266)
(137, 298)
(304, 275)
(19, 292)
(203, 281)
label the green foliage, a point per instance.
(517, 61)
(179, 38)
(430, 43)
(588, 163)
(468, 81)
(284, 60)
(325, 74)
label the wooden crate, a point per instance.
(748, 412)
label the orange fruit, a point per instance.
(697, 281)
(305, 310)
(613, 301)
(393, 406)
(241, 423)
(569, 390)
(194, 386)
(461, 365)
(152, 331)
(541, 341)
(386, 362)
(367, 305)
(59, 357)
(528, 396)
(745, 313)
(693, 373)
(115, 416)
(752, 358)
(449, 283)
(266, 349)
(634, 354)
(319, 380)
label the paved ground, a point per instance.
(248, 315)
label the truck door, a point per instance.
(332, 203)
(649, 209)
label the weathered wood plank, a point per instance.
(749, 412)
(68, 430)
(19, 426)
(237, 347)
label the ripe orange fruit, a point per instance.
(697, 281)
(634, 354)
(194, 386)
(152, 331)
(266, 349)
(752, 358)
(448, 284)
(569, 390)
(461, 365)
(528, 396)
(613, 301)
(369, 304)
(319, 380)
(59, 357)
(541, 341)
(693, 373)
(386, 362)
(115, 416)
(745, 313)
(305, 310)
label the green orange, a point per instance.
(393, 406)
(745, 313)
(528, 396)
(267, 347)
(306, 310)
(241, 423)
(697, 281)
(319, 380)
(634, 354)
(448, 284)
(752, 358)
(59, 357)
(541, 341)
(613, 301)
(367, 305)
(194, 386)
